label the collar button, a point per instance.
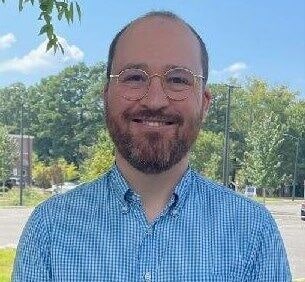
(125, 209)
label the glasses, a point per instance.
(177, 83)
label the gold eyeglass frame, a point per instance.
(161, 76)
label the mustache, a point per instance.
(159, 115)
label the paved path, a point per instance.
(12, 221)
(286, 214)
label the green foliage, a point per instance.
(57, 173)
(11, 100)
(100, 159)
(69, 171)
(63, 9)
(7, 256)
(8, 153)
(41, 175)
(66, 112)
(206, 155)
(262, 156)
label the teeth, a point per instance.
(154, 123)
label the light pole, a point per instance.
(21, 155)
(225, 165)
(295, 163)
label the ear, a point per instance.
(206, 102)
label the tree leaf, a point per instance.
(49, 45)
(71, 11)
(61, 48)
(67, 15)
(45, 29)
(79, 12)
(20, 5)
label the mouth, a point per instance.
(153, 123)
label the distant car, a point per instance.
(250, 191)
(8, 183)
(16, 181)
(65, 187)
(303, 211)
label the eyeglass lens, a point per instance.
(175, 82)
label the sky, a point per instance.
(262, 39)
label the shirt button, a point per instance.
(125, 209)
(149, 231)
(135, 198)
(147, 276)
(174, 212)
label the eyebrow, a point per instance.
(146, 67)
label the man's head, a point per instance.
(155, 97)
(166, 15)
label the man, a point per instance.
(151, 217)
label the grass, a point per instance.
(31, 197)
(7, 256)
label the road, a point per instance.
(12, 221)
(286, 214)
(292, 228)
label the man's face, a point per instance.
(156, 132)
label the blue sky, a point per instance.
(265, 39)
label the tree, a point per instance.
(63, 9)
(100, 158)
(206, 155)
(12, 98)
(41, 175)
(8, 154)
(67, 112)
(262, 156)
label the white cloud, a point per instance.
(38, 59)
(233, 70)
(236, 67)
(7, 40)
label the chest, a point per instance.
(126, 249)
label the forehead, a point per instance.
(158, 42)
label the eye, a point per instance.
(133, 76)
(178, 80)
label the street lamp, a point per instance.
(21, 155)
(225, 169)
(295, 163)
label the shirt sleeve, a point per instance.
(32, 261)
(270, 262)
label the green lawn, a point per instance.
(31, 197)
(6, 264)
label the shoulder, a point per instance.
(80, 201)
(227, 203)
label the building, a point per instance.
(27, 158)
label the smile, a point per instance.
(153, 123)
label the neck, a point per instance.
(155, 189)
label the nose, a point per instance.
(155, 97)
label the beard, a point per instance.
(152, 152)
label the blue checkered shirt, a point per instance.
(99, 232)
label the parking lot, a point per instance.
(286, 214)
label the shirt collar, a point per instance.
(124, 191)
